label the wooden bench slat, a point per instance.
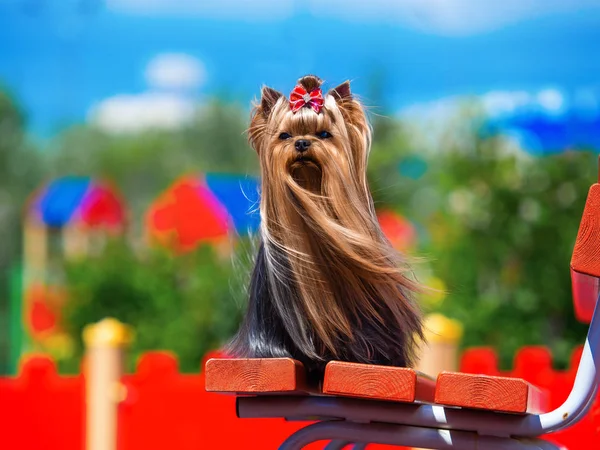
(502, 394)
(255, 376)
(586, 253)
(585, 262)
(377, 382)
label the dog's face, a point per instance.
(304, 142)
(309, 147)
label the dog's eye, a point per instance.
(324, 135)
(285, 136)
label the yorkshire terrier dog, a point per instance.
(326, 284)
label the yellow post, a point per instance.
(35, 250)
(443, 336)
(75, 241)
(105, 343)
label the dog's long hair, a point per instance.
(326, 284)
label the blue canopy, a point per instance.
(61, 198)
(240, 196)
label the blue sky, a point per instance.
(64, 60)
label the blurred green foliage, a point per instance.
(501, 239)
(20, 174)
(495, 224)
(188, 304)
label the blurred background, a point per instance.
(127, 185)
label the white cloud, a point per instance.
(134, 113)
(499, 103)
(175, 71)
(551, 100)
(433, 111)
(167, 105)
(447, 119)
(255, 10)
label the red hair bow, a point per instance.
(300, 98)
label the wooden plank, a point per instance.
(585, 262)
(586, 253)
(374, 382)
(502, 394)
(255, 375)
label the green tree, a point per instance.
(20, 173)
(188, 304)
(502, 241)
(497, 226)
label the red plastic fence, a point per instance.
(41, 410)
(165, 409)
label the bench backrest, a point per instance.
(585, 263)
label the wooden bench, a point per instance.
(285, 376)
(361, 403)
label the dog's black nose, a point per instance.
(302, 145)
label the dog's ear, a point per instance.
(342, 92)
(268, 99)
(260, 115)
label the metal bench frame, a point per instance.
(345, 421)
